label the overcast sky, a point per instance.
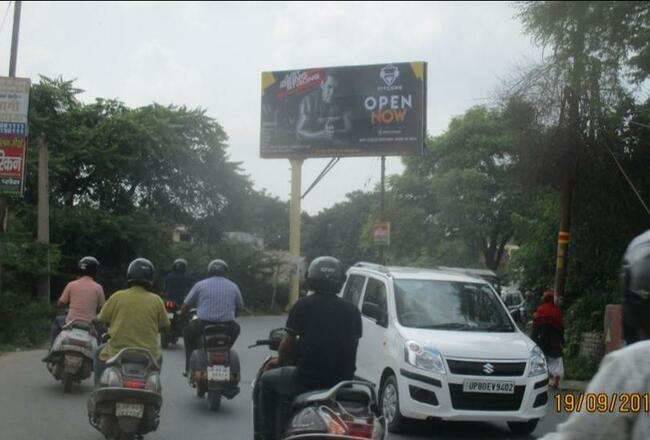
(210, 55)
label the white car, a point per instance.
(441, 345)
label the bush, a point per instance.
(23, 322)
(586, 314)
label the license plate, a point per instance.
(170, 315)
(218, 373)
(135, 410)
(486, 386)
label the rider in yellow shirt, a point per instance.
(134, 316)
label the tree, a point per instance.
(467, 180)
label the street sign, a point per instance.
(375, 110)
(381, 234)
(14, 105)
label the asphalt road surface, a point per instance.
(33, 406)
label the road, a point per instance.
(33, 405)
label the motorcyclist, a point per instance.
(217, 300)
(134, 316)
(625, 371)
(177, 283)
(328, 328)
(83, 295)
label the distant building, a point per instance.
(180, 234)
(246, 238)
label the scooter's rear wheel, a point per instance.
(67, 383)
(214, 400)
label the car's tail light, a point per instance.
(135, 384)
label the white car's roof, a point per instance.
(415, 273)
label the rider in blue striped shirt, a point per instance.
(217, 300)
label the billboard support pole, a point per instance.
(382, 214)
(294, 227)
(4, 204)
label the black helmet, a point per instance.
(635, 278)
(179, 265)
(217, 268)
(88, 266)
(325, 275)
(140, 272)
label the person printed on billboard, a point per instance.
(320, 118)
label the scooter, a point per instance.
(214, 367)
(347, 411)
(126, 404)
(171, 335)
(70, 359)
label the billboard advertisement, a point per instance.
(14, 104)
(374, 110)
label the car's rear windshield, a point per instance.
(449, 305)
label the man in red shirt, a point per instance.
(83, 295)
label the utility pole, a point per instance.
(382, 218)
(4, 204)
(43, 235)
(294, 228)
(14, 39)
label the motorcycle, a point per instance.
(126, 404)
(170, 336)
(347, 411)
(70, 359)
(214, 367)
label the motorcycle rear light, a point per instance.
(218, 358)
(362, 430)
(111, 378)
(77, 342)
(153, 383)
(135, 384)
(333, 426)
(170, 306)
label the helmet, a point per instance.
(217, 268)
(325, 275)
(140, 271)
(88, 266)
(179, 265)
(635, 280)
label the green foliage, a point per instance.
(23, 322)
(250, 268)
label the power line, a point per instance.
(2, 25)
(629, 181)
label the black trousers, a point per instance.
(278, 388)
(192, 336)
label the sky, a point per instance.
(211, 55)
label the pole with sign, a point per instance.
(372, 110)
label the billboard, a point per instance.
(14, 104)
(375, 110)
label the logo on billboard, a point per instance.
(389, 74)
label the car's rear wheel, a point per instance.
(523, 428)
(390, 405)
